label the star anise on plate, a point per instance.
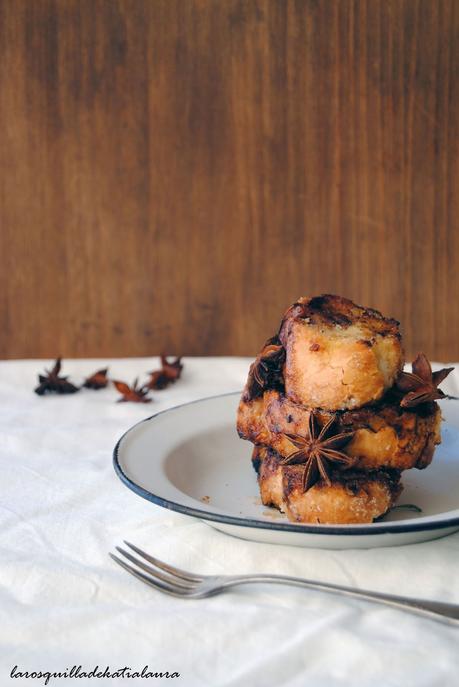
(420, 385)
(318, 451)
(52, 382)
(266, 371)
(98, 380)
(134, 393)
(169, 372)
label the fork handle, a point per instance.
(436, 610)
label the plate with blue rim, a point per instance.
(190, 459)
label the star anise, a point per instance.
(134, 393)
(98, 380)
(170, 371)
(318, 450)
(52, 382)
(266, 371)
(420, 385)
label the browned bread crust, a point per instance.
(251, 421)
(386, 435)
(339, 355)
(323, 406)
(352, 497)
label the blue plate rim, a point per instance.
(352, 530)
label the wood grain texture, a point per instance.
(173, 173)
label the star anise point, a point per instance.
(266, 370)
(134, 393)
(421, 384)
(53, 382)
(318, 450)
(98, 380)
(169, 372)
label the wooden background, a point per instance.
(173, 173)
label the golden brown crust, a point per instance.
(352, 497)
(329, 310)
(251, 424)
(386, 435)
(339, 355)
(269, 477)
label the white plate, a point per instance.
(191, 460)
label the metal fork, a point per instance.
(186, 585)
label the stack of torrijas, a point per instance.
(333, 417)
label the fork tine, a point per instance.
(183, 574)
(171, 580)
(157, 584)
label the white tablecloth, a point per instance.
(64, 602)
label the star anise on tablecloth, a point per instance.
(420, 385)
(98, 380)
(266, 371)
(169, 372)
(134, 393)
(318, 450)
(52, 382)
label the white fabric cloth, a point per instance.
(64, 602)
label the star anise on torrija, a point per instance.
(98, 380)
(267, 369)
(318, 451)
(52, 382)
(169, 372)
(420, 385)
(134, 393)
